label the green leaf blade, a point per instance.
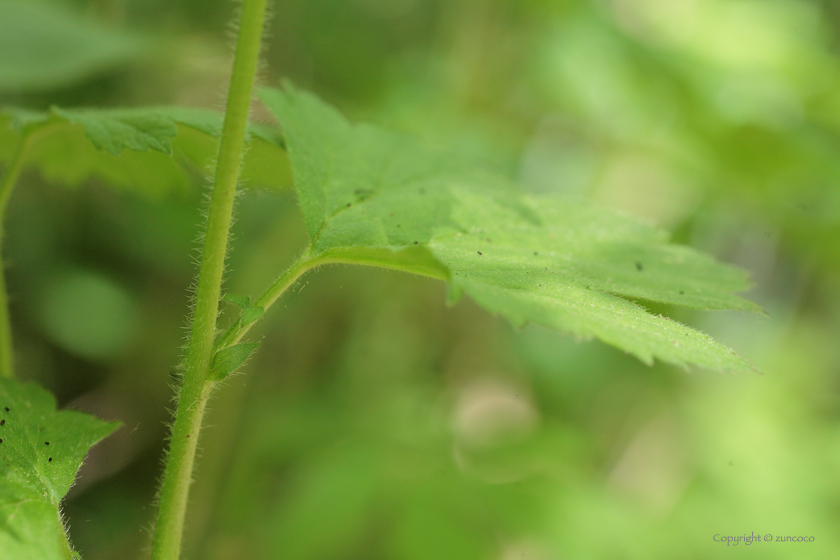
(228, 359)
(153, 150)
(237, 300)
(114, 131)
(588, 313)
(561, 263)
(40, 454)
(251, 313)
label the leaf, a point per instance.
(251, 314)
(149, 149)
(40, 454)
(228, 359)
(239, 301)
(114, 131)
(373, 197)
(43, 46)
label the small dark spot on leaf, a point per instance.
(46, 443)
(535, 253)
(479, 252)
(7, 409)
(416, 242)
(50, 459)
(349, 204)
(638, 266)
(489, 240)
(1, 441)
(681, 292)
(2, 422)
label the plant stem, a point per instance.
(235, 333)
(305, 263)
(6, 185)
(196, 389)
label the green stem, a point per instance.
(235, 333)
(8, 183)
(196, 388)
(307, 262)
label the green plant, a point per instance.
(367, 197)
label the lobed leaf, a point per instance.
(149, 149)
(374, 197)
(41, 450)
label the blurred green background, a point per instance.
(375, 422)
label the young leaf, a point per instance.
(41, 450)
(373, 197)
(239, 301)
(144, 149)
(251, 314)
(228, 359)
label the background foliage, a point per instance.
(375, 422)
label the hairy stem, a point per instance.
(196, 389)
(6, 185)
(307, 262)
(236, 331)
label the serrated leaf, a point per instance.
(368, 196)
(228, 359)
(154, 149)
(43, 46)
(114, 131)
(40, 454)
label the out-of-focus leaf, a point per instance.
(369, 196)
(43, 46)
(41, 450)
(147, 149)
